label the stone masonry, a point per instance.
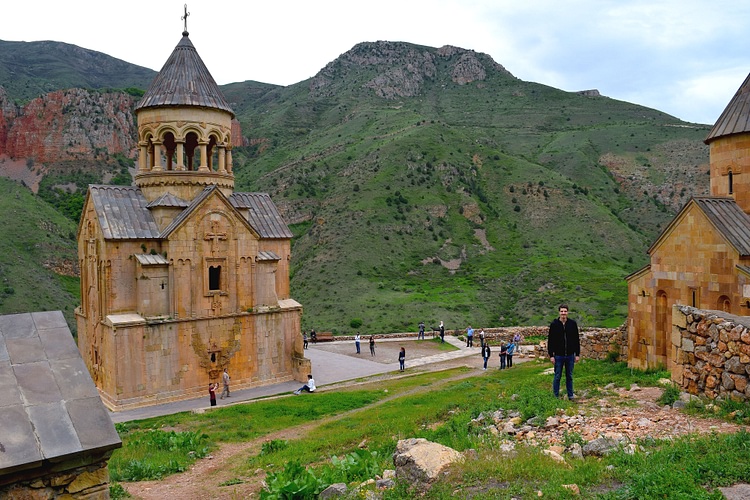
(711, 350)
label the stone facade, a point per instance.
(702, 259)
(181, 277)
(711, 350)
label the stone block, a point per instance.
(88, 480)
(678, 318)
(687, 345)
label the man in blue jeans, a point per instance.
(564, 349)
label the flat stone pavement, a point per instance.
(328, 368)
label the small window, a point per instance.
(695, 298)
(731, 183)
(214, 278)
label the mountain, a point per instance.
(431, 184)
(31, 69)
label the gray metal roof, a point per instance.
(263, 215)
(50, 408)
(736, 116)
(186, 213)
(168, 200)
(123, 213)
(267, 256)
(184, 81)
(730, 220)
(146, 259)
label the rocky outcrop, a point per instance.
(68, 125)
(401, 69)
(421, 462)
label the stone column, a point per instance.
(229, 160)
(222, 160)
(180, 156)
(157, 157)
(204, 158)
(142, 156)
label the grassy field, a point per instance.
(438, 406)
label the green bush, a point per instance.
(355, 323)
(670, 395)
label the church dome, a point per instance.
(184, 81)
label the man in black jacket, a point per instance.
(564, 349)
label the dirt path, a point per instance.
(202, 480)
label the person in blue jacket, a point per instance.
(511, 351)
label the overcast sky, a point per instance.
(684, 57)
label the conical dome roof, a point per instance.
(184, 81)
(736, 116)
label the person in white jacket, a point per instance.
(308, 387)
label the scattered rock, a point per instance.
(333, 491)
(574, 489)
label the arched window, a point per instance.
(724, 304)
(731, 182)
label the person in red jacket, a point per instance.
(564, 349)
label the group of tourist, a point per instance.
(563, 348)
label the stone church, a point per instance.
(702, 258)
(181, 277)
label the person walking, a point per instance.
(511, 352)
(372, 345)
(470, 337)
(564, 349)
(356, 341)
(225, 380)
(420, 335)
(212, 393)
(442, 332)
(401, 359)
(486, 354)
(313, 336)
(481, 338)
(308, 387)
(304, 339)
(503, 354)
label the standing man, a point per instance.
(420, 335)
(485, 354)
(481, 337)
(356, 341)
(470, 337)
(564, 349)
(225, 380)
(442, 332)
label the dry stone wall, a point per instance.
(711, 353)
(596, 343)
(89, 482)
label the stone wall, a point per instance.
(596, 343)
(90, 482)
(711, 353)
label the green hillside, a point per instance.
(30, 69)
(37, 255)
(484, 204)
(431, 184)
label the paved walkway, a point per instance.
(327, 367)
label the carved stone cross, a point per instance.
(214, 236)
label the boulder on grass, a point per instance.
(421, 462)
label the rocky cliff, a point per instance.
(396, 69)
(73, 125)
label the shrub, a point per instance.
(355, 323)
(670, 395)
